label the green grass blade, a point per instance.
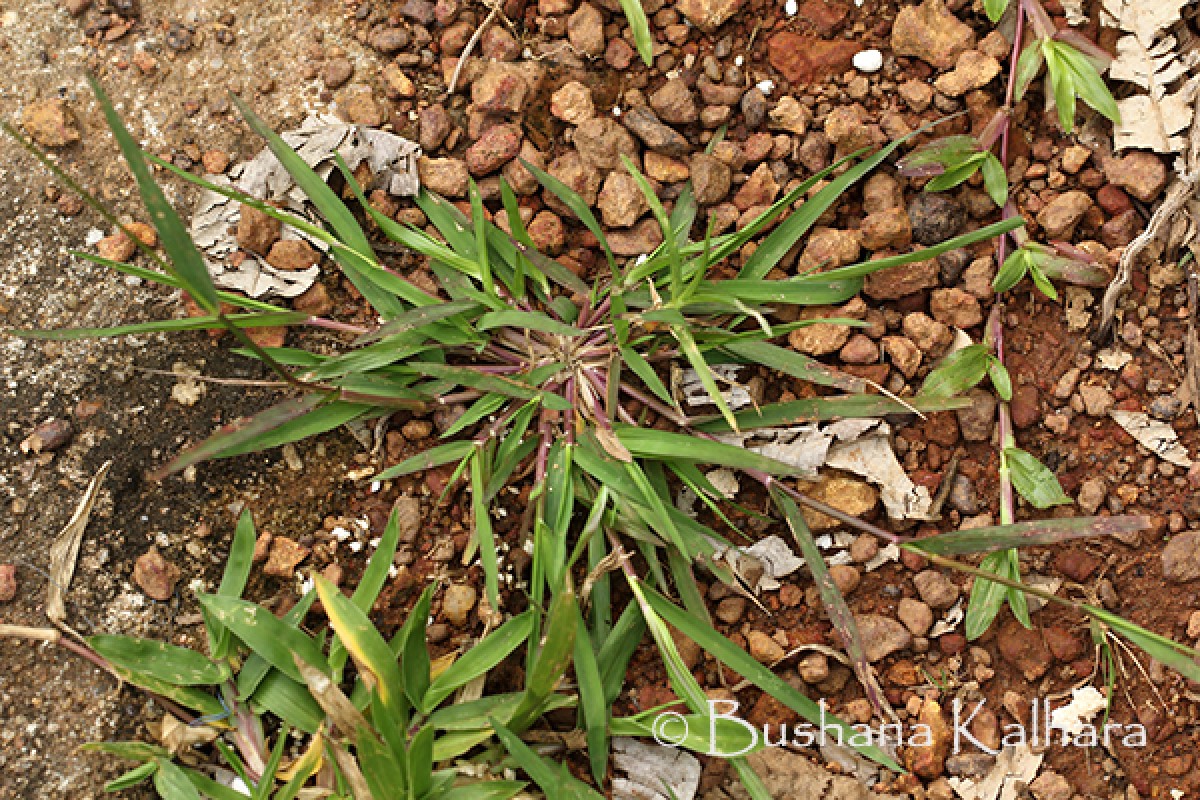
(1178, 657)
(743, 664)
(273, 319)
(835, 604)
(574, 202)
(480, 659)
(617, 650)
(287, 422)
(1026, 534)
(481, 245)
(664, 223)
(798, 365)
(186, 263)
(814, 290)
(551, 661)
(172, 783)
(1033, 480)
(265, 634)
(956, 373)
(166, 279)
(987, 597)
(635, 15)
(132, 778)
(554, 779)
(819, 409)
(170, 663)
(485, 382)
(256, 668)
(483, 533)
(363, 641)
(594, 706)
(983, 234)
(528, 321)
(688, 345)
(641, 367)
(654, 444)
(420, 318)
(233, 582)
(414, 664)
(288, 700)
(428, 459)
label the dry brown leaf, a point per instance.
(65, 550)
(178, 736)
(1149, 56)
(346, 718)
(1158, 124)
(1143, 18)
(1153, 68)
(1073, 9)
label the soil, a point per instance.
(283, 56)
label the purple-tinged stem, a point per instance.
(499, 369)
(459, 397)
(504, 354)
(334, 325)
(1009, 94)
(1004, 429)
(654, 404)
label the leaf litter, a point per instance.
(392, 160)
(65, 551)
(1015, 768)
(1153, 58)
(860, 446)
(1156, 436)
(652, 772)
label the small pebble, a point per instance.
(8, 582)
(868, 61)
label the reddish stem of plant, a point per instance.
(1004, 429)
(1009, 94)
(334, 325)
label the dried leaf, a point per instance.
(345, 717)
(872, 457)
(1142, 18)
(178, 736)
(776, 558)
(861, 446)
(1158, 125)
(1157, 437)
(1151, 67)
(1148, 57)
(1086, 702)
(652, 772)
(1015, 767)
(393, 163)
(1074, 11)
(65, 551)
(950, 622)
(1113, 358)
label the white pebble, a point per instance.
(791, 7)
(868, 61)
(766, 87)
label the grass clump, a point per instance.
(566, 382)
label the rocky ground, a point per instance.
(559, 84)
